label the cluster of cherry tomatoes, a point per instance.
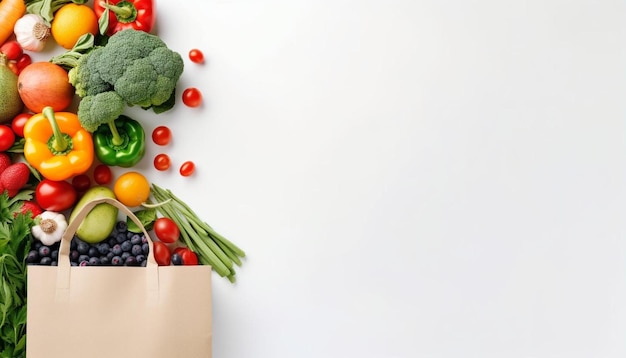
(162, 136)
(192, 97)
(18, 60)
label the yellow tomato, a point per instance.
(132, 189)
(71, 22)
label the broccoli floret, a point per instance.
(88, 83)
(136, 66)
(99, 108)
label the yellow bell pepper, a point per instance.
(57, 145)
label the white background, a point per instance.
(409, 178)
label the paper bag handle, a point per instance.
(64, 248)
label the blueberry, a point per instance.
(37, 245)
(45, 261)
(82, 258)
(145, 248)
(73, 243)
(126, 246)
(120, 237)
(104, 260)
(54, 254)
(74, 256)
(32, 257)
(116, 261)
(117, 250)
(103, 248)
(125, 255)
(44, 251)
(130, 261)
(140, 259)
(93, 251)
(135, 239)
(110, 255)
(136, 250)
(144, 263)
(144, 239)
(129, 234)
(82, 247)
(94, 261)
(121, 226)
(84, 263)
(73, 264)
(111, 241)
(177, 259)
(53, 263)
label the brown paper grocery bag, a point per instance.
(106, 312)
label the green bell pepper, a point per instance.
(121, 142)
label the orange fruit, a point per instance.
(132, 188)
(71, 22)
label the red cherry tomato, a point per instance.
(192, 97)
(187, 168)
(12, 50)
(161, 135)
(81, 182)
(196, 56)
(7, 137)
(17, 125)
(24, 61)
(162, 162)
(189, 257)
(102, 174)
(162, 254)
(55, 195)
(166, 230)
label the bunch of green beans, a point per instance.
(210, 247)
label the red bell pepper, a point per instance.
(127, 14)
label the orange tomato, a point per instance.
(71, 22)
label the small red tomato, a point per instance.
(12, 50)
(18, 123)
(189, 257)
(187, 168)
(7, 137)
(162, 162)
(55, 195)
(102, 174)
(196, 56)
(161, 135)
(24, 61)
(192, 97)
(162, 253)
(81, 182)
(166, 230)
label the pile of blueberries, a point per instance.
(121, 248)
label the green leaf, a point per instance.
(103, 22)
(146, 217)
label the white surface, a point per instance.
(409, 178)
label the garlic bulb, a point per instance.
(31, 32)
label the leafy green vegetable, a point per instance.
(146, 217)
(15, 238)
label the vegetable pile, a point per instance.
(66, 138)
